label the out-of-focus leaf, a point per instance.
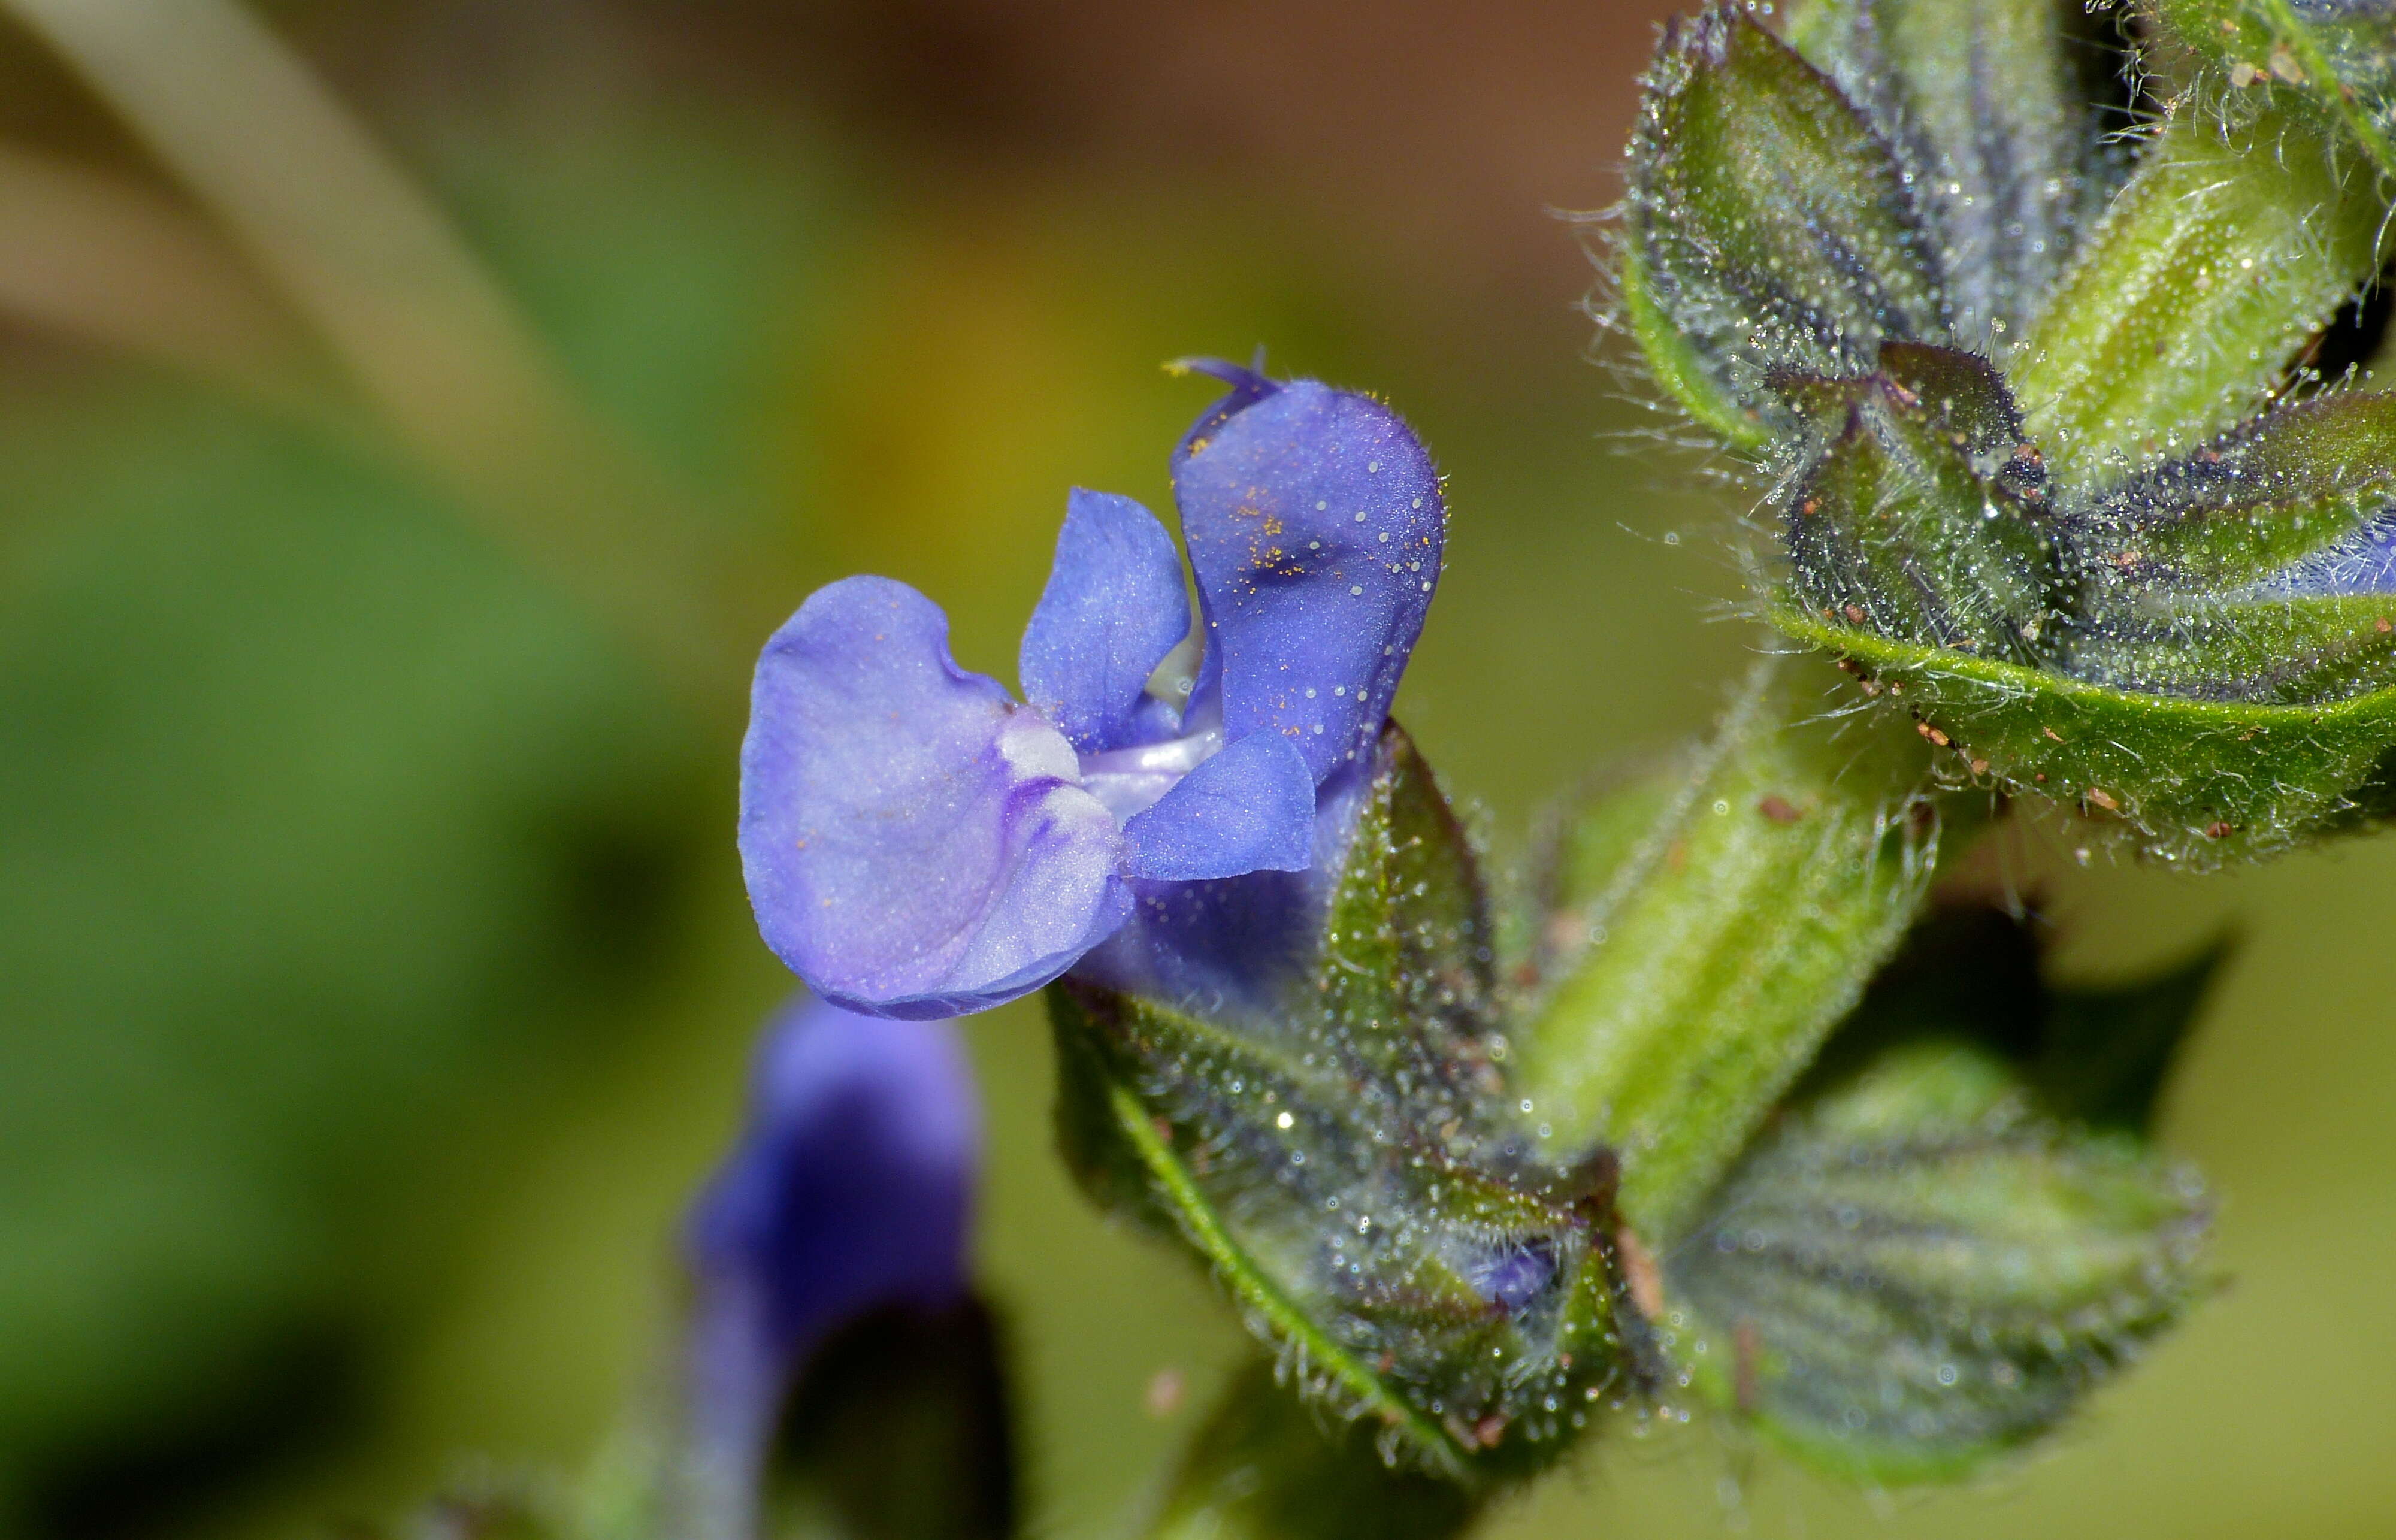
(331, 838)
(1954, 1228)
(899, 1430)
(320, 826)
(1917, 1272)
(2105, 1051)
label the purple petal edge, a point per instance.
(1114, 607)
(915, 846)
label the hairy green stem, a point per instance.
(1724, 933)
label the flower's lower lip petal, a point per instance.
(911, 845)
(1316, 526)
(1249, 808)
(1114, 606)
(1243, 943)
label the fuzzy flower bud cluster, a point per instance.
(2044, 463)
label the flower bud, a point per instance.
(2058, 511)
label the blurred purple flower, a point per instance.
(851, 1189)
(917, 844)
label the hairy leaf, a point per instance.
(1770, 228)
(1990, 104)
(2267, 649)
(2338, 55)
(1918, 1269)
(2197, 781)
(1953, 1229)
(2228, 249)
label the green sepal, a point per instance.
(1988, 104)
(1131, 1157)
(2230, 246)
(1953, 1231)
(2295, 651)
(1694, 967)
(2195, 782)
(1345, 1165)
(2340, 58)
(1675, 363)
(1768, 227)
(2248, 506)
(1922, 515)
(1405, 984)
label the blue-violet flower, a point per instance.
(851, 1189)
(917, 844)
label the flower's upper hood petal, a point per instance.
(1113, 608)
(1315, 527)
(915, 845)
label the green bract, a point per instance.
(2339, 56)
(1349, 1163)
(2035, 457)
(1956, 1227)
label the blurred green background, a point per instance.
(374, 976)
